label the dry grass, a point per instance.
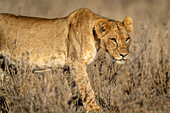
(140, 85)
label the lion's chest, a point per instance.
(89, 56)
(89, 52)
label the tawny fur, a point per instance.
(72, 40)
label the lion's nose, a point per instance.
(123, 54)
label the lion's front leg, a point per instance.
(83, 83)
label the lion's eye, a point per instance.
(127, 39)
(114, 40)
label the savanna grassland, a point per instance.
(141, 85)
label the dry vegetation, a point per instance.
(140, 85)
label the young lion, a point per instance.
(72, 41)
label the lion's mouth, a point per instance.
(120, 61)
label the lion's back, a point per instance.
(41, 38)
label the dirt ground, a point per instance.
(141, 85)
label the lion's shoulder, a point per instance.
(83, 15)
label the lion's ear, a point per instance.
(128, 24)
(101, 27)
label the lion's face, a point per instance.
(115, 37)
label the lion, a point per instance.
(72, 41)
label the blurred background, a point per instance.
(117, 9)
(140, 85)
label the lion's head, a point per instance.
(114, 37)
